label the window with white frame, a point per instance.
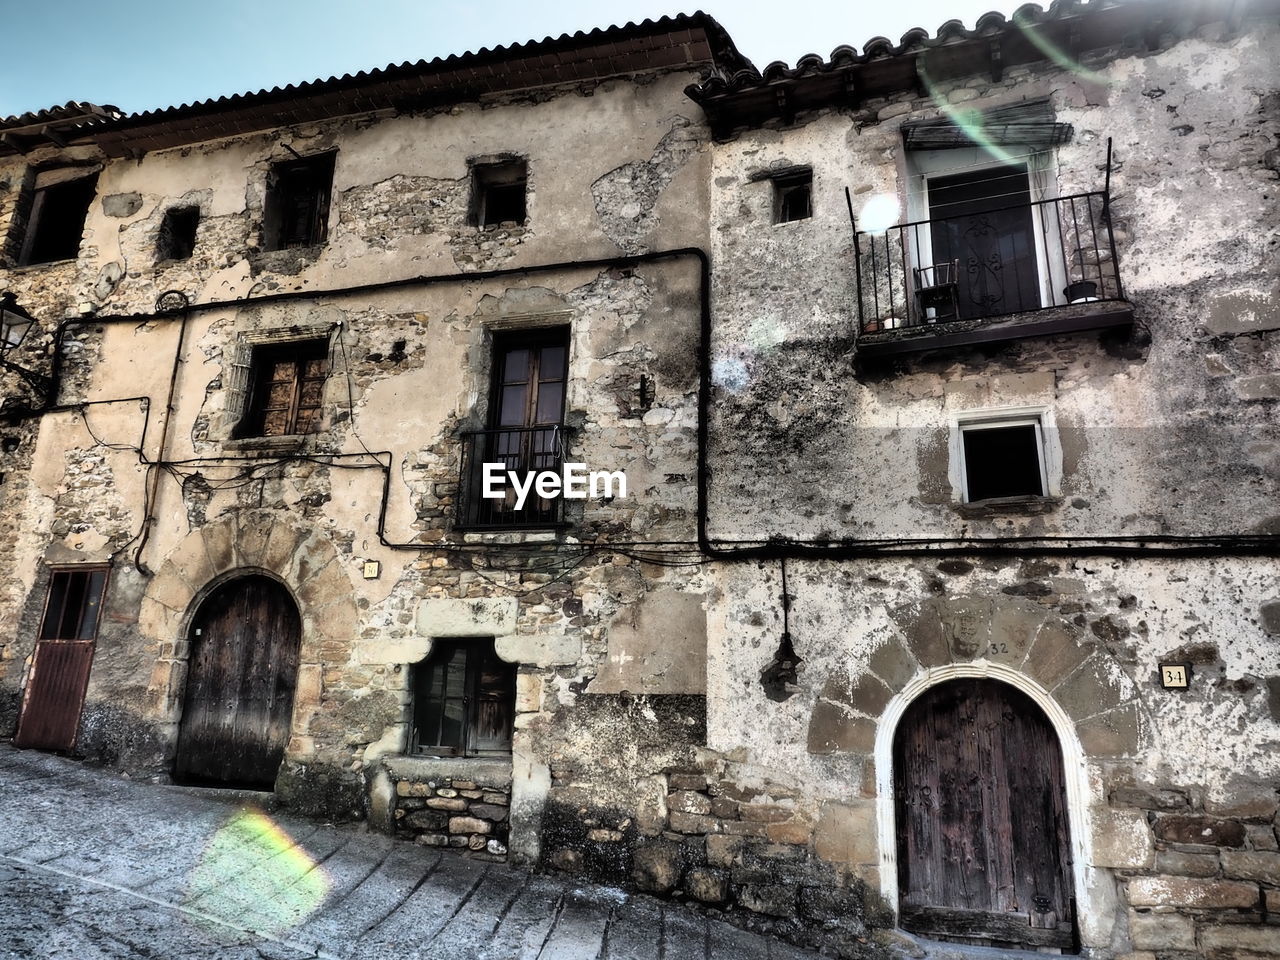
(984, 226)
(1004, 455)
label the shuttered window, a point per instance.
(464, 700)
(287, 389)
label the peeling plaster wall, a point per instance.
(866, 456)
(75, 488)
(1173, 431)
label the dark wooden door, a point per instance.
(240, 680)
(983, 220)
(984, 851)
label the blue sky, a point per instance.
(142, 54)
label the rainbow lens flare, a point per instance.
(254, 876)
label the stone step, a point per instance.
(920, 948)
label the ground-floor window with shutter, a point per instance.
(463, 700)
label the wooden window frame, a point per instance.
(784, 187)
(50, 631)
(479, 651)
(262, 360)
(502, 175)
(36, 226)
(308, 179)
(533, 341)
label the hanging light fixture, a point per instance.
(14, 322)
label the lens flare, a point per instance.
(879, 213)
(1054, 52)
(254, 875)
(730, 373)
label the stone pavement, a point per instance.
(94, 866)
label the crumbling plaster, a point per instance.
(808, 449)
(411, 401)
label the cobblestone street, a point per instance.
(93, 865)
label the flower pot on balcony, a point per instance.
(1081, 291)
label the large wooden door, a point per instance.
(240, 680)
(984, 851)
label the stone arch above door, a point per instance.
(1090, 686)
(304, 560)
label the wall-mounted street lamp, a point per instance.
(15, 324)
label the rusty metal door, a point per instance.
(984, 852)
(241, 676)
(55, 695)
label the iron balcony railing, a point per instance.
(988, 263)
(524, 451)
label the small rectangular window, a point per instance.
(793, 196)
(74, 604)
(297, 205)
(463, 700)
(287, 389)
(1002, 458)
(499, 193)
(56, 222)
(176, 239)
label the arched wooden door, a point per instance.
(245, 643)
(984, 848)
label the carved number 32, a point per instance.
(997, 648)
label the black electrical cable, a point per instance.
(774, 548)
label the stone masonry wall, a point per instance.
(468, 815)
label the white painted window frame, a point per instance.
(1048, 445)
(924, 165)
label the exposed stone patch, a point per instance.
(625, 197)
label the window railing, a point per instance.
(987, 264)
(522, 451)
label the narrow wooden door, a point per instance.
(984, 851)
(55, 695)
(983, 221)
(240, 680)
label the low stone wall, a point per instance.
(642, 805)
(1202, 877)
(463, 804)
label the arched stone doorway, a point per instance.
(983, 837)
(238, 705)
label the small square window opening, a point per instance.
(74, 603)
(56, 222)
(793, 197)
(297, 206)
(1002, 458)
(176, 239)
(287, 389)
(463, 700)
(500, 193)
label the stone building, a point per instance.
(943, 594)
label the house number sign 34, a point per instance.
(1175, 676)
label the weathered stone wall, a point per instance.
(408, 369)
(1171, 431)
(461, 804)
(866, 457)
